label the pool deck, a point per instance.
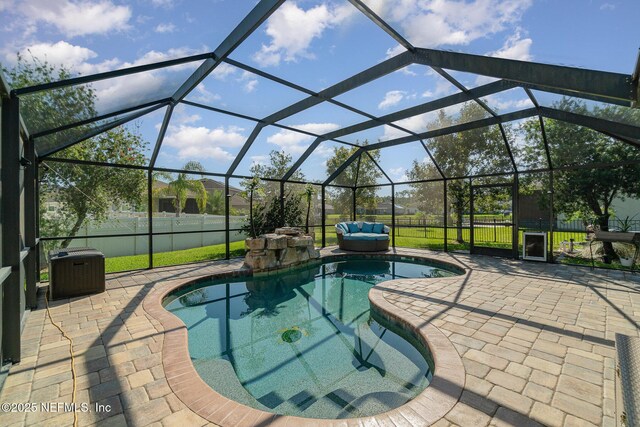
(536, 341)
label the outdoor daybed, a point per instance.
(362, 236)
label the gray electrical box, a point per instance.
(75, 271)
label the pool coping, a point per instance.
(433, 403)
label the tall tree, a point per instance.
(588, 193)
(82, 192)
(462, 154)
(180, 187)
(427, 197)
(362, 171)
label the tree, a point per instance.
(266, 210)
(215, 202)
(588, 192)
(180, 185)
(84, 192)
(465, 153)
(427, 197)
(252, 186)
(309, 192)
(279, 164)
(362, 171)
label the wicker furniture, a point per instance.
(362, 236)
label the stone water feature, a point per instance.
(285, 247)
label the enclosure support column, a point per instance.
(11, 287)
(471, 237)
(446, 216)
(515, 229)
(282, 224)
(393, 215)
(323, 220)
(30, 214)
(353, 199)
(40, 246)
(227, 223)
(551, 218)
(150, 214)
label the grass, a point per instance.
(416, 237)
(162, 259)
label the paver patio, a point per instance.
(536, 340)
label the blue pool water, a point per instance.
(305, 342)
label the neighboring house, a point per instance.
(165, 203)
(384, 208)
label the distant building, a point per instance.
(165, 203)
(384, 208)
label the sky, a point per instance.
(314, 44)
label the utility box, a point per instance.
(75, 271)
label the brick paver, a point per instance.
(536, 341)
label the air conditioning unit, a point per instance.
(534, 246)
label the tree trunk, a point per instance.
(74, 230)
(459, 214)
(307, 219)
(253, 227)
(610, 254)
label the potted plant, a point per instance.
(625, 252)
(626, 224)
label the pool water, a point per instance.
(305, 343)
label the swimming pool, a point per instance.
(305, 342)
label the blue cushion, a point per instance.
(366, 236)
(378, 227)
(343, 227)
(367, 227)
(353, 227)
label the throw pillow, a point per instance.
(367, 227)
(378, 227)
(353, 227)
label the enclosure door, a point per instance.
(492, 224)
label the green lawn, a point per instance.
(160, 259)
(416, 237)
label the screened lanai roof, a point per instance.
(314, 114)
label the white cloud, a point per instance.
(292, 29)
(77, 18)
(204, 143)
(500, 104)
(181, 116)
(167, 4)
(607, 6)
(63, 54)
(291, 141)
(435, 23)
(223, 70)
(165, 28)
(515, 47)
(250, 86)
(391, 98)
(398, 174)
(201, 94)
(173, 53)
(419, 123)
(260, 160)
